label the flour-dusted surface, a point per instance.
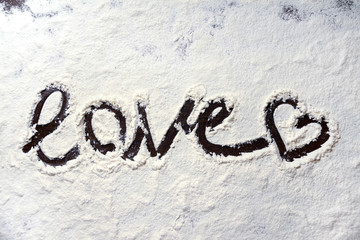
(161, 53)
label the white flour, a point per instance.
(160, 55)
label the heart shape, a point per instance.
(301, 121)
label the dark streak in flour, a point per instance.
(232, 4)
(9, 5)
(344, 4)
(116, 4)
(290, 12)
(19, 71)
(218, 17)
(332, 13)
(183, 44)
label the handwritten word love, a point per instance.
(205, 120)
